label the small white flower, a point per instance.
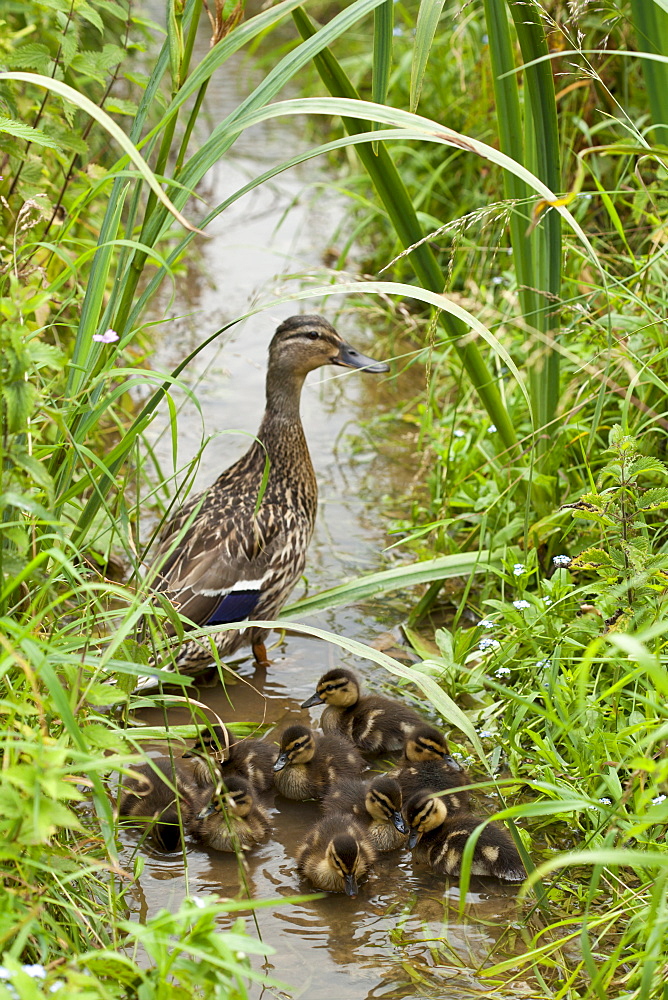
(198, 901)
(485, 734)
(108, 337)
(487, 623)
(658, 800)
(543, 664)
(487, 643)
(518, 569)
(502, 672)
(561, 560)
(491, 429)
(458, 433)
(497, 280)
(457, 756)
(547, 601)
(606, 801)
(521, 604)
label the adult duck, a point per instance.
(236, 551)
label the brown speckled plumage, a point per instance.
(233, 562)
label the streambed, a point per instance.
(402, 937)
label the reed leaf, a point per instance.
(363, 588)
(428, 17)
(650, 22)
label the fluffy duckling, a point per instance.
(151, 797)
(376, 804)
(426, 765)
(218, 751)
(372, 722)
(231, 819)
(309, 763)
(439, 841)
(336, 853)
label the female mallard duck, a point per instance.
(336, 853)
(376, 804)
(219, 754)
(439, 841)
(372, 722)
(226, 555)
(426, 765)
(309, 763)
(160, 795)
(231, 820)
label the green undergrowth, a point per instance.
(525, 207)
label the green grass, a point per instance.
(559, 343)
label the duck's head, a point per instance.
(426, 743)
(343, 856)
(383, 802)
(213, 742)
(233, 795)
(297, 747)
(303, 343)
(424, 812)
(337, 687)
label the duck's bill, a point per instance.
(348, 357)
(413, 839)
(350, 883)
(281, 761)
(400, 822)
(315, 699)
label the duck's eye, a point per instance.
(312, 335)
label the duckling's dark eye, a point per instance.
(312, 335)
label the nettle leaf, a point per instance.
(37, 470)
(32, 56)
(654, 499)
(20, 399)
(593, 558)
(588, 512)
(45, 355)
(27, 132)
(647, 464)
(120, 107)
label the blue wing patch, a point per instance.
(234, 607)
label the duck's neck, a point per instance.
(284, 390)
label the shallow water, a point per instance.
(402, 937)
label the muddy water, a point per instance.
(402, 936)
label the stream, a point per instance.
(402, 936)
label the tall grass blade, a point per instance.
(383, 26)
(427, 22)
(650, 21)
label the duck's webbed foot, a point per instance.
(260, 654)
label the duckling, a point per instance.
(310, 763)
(152, 798)
(217, 750)
(372, 722)
(426, 765)
(439, 841)
(375, 803)
(223, 557)
(231, 819)
(335, 854)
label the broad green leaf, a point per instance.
(27, 132)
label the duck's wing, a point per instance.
(218, 572)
